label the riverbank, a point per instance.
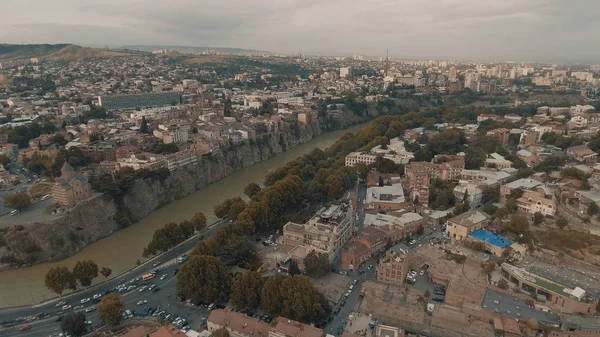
(120, 250)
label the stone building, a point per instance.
(71, 187)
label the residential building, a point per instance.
(392, 269)
(71, 187)
(144, 100)
(494, 243)
(168, 331)
(326, 232)
(586, 198)
(345, 72)
(181, 159)
(501, 134)
(536, 201)
(582, 154)
(497, 161)
(388, 198)
(522, 184)
(474, 194)
(241, 325)
(360, 157)
(485, 117)
(417, 174)
(361, 248)
(461, 225)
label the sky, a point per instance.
(456, 29)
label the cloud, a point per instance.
(467, 29)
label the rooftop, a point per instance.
(491, 238)
(524, 183)
(393, 193)
(469, 219)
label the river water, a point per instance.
(120, 250)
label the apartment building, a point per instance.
(387, 198)
(582, 154)
(501, 134)
(461, 225)
(326, 232)
(360, 157)
(361, 248)
(536, 201)
(497, 161)
(522, 184)
(392, 269)
(241, 325)
(181, 159)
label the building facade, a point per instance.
(460, 226)
(392, 269)
(71, 187)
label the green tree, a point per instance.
(511, 205)
(105, 271)
(18, 201)
(199, 221)
(204, 279)
(518, 224)
(74, 324)
(516, 193)
(59, 279)
(251, 190)
(85, 271)
(317, 264)
(246, 290)
(110, 309)
(561, 222)
(489, 208)
(490, 194)
(592, 209)
(237, 206)
(293, 268)
(222, 332)
(538, 218)
(474, 158)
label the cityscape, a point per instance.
(172, 190)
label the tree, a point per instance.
(293, 268)
(246, 290)
(110, 309)
(561, 222)
(105, 271)
(85, 272)
(518, 224)
(489, 208)
(317, 264)
(59, 279)
(237, 206)
(204, 279)
(199, 221)
(592, 209)
(516, 193)
(18, 201)
(474, 158)
(251, 190)
(538, 218)
(222, 332)
(74, 324)
(511, 205)
(144, 127)
(490, 194)
(293, 297)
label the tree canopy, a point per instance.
(74, 324)
(18, 201)
(317, 264)
(252, 189)
(59, 279)
(85, 271)
(246, 290)
(110, 309)
(204, 279)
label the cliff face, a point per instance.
(94, 219)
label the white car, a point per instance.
(164, 276)
(142, 288)
(412, 242)
(85, 300)
(422, 272)
(97, 296)
(142, 302)
(90, 309)
(66, 307)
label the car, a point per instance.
(422, 272)
(65, 307)
(343, 303)
(175, 271)
(60, 304)
(77, 307)
(25, 328)
(156, 264)
(336, 311)
(370, 267)
(97, 296)
(142, 288)
(141, 302)
(90, 309)
(14, 212)
(155, 290)
(88, 322)
(412, 242)
(164, 276)
(85, 300)
(351, 287)
(354, 282)
(59, 318)
(128, 313)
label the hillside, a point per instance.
(195, 49)
(13, 52)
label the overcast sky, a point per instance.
(466, 29)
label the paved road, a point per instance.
(165, 298)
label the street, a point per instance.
(165, 298)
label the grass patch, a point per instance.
(550, 286)
(567, 239)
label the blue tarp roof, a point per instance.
(491, 238)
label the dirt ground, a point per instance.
(333, 286)
(272, 255)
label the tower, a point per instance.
(386, 63)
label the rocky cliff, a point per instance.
(96, 218)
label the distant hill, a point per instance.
(192, 49)
(13, 52)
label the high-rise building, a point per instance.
(453, 74)
(392, 268)
(345, 72)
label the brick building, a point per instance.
(392, 269)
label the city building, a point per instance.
(461, 225)
(71, 187)
(386, 198)
(345, 72)
(537, 201)
(501, 134)
(582, 154)
(494, 243)
(360, 157)
(361, 248)
(241, 325)
(497, 161)
(567, 297)
(521, 184)
(473, 194)
(144, 100)
(326, 232)
(392, 269)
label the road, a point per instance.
(165, 298)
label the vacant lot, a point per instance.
(333, 286)
(567, 240)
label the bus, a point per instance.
(148, 276)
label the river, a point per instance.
(120, 251)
